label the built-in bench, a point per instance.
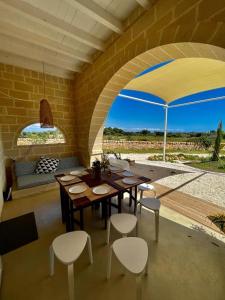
(28, 183)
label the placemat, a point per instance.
(65, 183)
(82, 173)
(126, 186)
(89, 194)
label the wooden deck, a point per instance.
(187, 205)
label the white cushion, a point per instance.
(123, 223)
(69, 246)
(150, 203)
(119, 163)
(132, 252)
(146, 187)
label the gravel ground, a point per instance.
(205, 185)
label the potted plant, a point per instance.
(96, 169)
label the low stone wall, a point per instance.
(111, 144)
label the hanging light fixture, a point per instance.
(46, 118)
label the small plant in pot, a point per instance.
(96, 169)
(105, 163)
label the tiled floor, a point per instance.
(185, 264)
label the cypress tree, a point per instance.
(217, 146)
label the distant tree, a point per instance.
(217, 146)
(113, 131)
(205, 142)
(107, 131)
(145, 132)
(159, 133)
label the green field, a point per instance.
(150, 150)
(146, 135)
(213, 166)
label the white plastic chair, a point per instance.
(119, 163)
(123, 223)
(146, 187)
(132, 253)
(67, 248)
(154, 205)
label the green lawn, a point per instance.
(153, 138)
(149, 150)
(213, 166)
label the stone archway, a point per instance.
(134, 67)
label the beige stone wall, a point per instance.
(168, 21)
(2, 175)
(25, 88)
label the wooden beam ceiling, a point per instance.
(29, 30)
(27, 63)
(144, 3)
(99, 14)
(43, 17)
(25, 49)
(41, 41)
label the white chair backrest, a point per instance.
(119, 163)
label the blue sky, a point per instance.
(36, 128)
(130, 115)
(135, 116)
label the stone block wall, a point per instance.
(20, 93)
(2, 175)
(166, 22)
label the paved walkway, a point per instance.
(177, 190)
(205, 185)
(187, 205)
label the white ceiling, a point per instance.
(64, 34)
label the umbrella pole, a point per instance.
(165, 132)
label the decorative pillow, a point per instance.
(46, 165)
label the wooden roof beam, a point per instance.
(42, 17)
(99, 14)
(41, 41)
(14, 46)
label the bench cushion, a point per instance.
(68, 162)
(25, 167)
(31, 180)
(28, 167)
(26, 181)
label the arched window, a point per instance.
(35, 135)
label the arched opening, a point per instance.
(33, 134)
(124, 75)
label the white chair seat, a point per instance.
(123, 223)
(146, 187)
(150, 203)
(69, 246)
(132, 252)
(119, 163)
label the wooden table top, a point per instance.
(113, 181)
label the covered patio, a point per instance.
(185, 263)
(62, 63)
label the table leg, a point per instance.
(135, 199)
(120, 196)
(67, 214)
(110, 207)
(130, 199)
(62, 200)
(71, 216)
(81, 219)
(104, 212)
(102, 206)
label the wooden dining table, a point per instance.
(71, 203)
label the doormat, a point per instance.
(17, 232)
